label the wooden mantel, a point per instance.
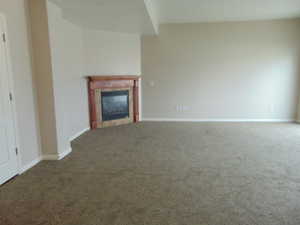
(115, 77)
(103, 83)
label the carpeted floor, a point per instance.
(165, 174)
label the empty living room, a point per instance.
(149, 112)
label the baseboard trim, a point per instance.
(34, 162)
(65, 153)
(217, 120)
(59, 156)
(62, 155)
(79, 134)
(28, 166)
(50, 157)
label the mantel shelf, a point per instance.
(114, 77)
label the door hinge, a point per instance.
(10, 96)
(3, 37)
(17, 151)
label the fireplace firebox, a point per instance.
(115, 105)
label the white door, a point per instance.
(8, 154)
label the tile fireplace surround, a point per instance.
(99, 85)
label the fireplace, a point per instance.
(115, 105)
(113, 100)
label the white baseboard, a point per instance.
(68, 151)
(50, 157)
(30, 165)
(79, 134)
(216, 120)
(34, 162)
(57, 156)
(64, 154)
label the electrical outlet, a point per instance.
(182, 108)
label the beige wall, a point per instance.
(62, 92)
(70, 90)
(222, 71)
(15, 13)
(43, 75)
(111, 53)
(64, 55)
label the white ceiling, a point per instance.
(143, 16)
(129, 16)
(186, 11)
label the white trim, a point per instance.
(62, 155)
(216, 120)
(59, 156)
(79, 134)
(50, 157)
(30, 165)
(65, 153)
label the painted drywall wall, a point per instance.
(15, 13)
(70, 90)
(231, 71)
(43, 75)
(111, 53)
(76, 53)
(64, 55)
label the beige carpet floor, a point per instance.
(165, 174)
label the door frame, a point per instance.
(12, 91)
